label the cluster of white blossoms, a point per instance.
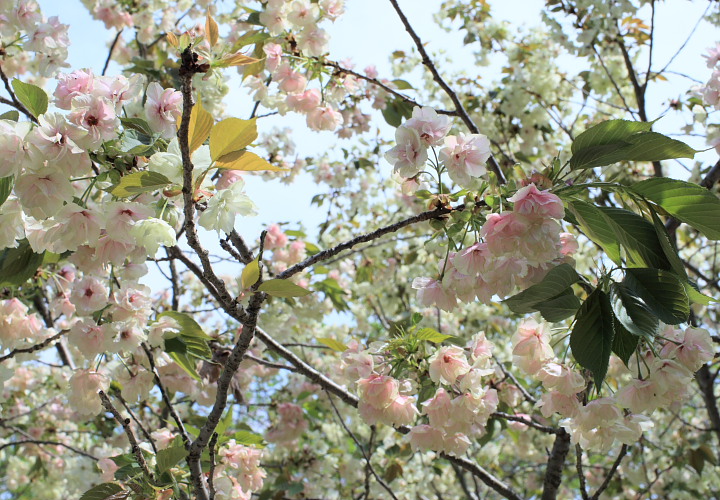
(603, 421)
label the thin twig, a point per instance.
(34, 348)
(331, 252)
(427, 62)
(613, 469)
(165, 396)
(139, 424)
(15, 102)
(361, 448)
(580, 473)
(48, 443)
(125, 422)
(110, 52)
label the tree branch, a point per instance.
(125, 422)
(555, 465)
(613, 470)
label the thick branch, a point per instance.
(555, 465)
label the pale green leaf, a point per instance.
(333, 344)
(31, 96)
(230, 135)
(250, 274)
(139, 182)
(283, 288)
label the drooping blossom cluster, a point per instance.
(238, 473)
(600, 423)
(459, 409)
(290, 426)
(518, 248)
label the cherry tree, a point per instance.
(513, 296)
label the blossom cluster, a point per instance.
(518, 248)
(463, 156)
(603, 421)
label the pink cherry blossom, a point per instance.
(273, 55)
(432, 293)
(464, 157)
(447, 364)
(432, 127)
(304, 102)
(531, 202)
(162, 109)
(379, 391)
(97, 116)
(89, 295)
(324, 118)
(425, 437)
(410, 154)
(289, 80)
(77, 83)
(84, 388)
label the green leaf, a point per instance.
(137, 124)
(106, 491)
(592, 336)
(557, 279)
(19, 264)
(6, 185)
(31, 96)
(685, 201)
(661, 291)
(392, 113)
(632, 313)
(230, 135)
(139, 182)
(667, 245)
(11, 115)
(188, 326)
(431, 335)
(596, 226)
(250, 274)
(199, 127)
(283, 288)
(624, 343)
(645, 146)
(248, 438)
(638, 238)
(402, 85)
(697, 297)
(333, 344)
(170, 457)
(608, 132)
(225, 422)
(186, 363)
(562, 306)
